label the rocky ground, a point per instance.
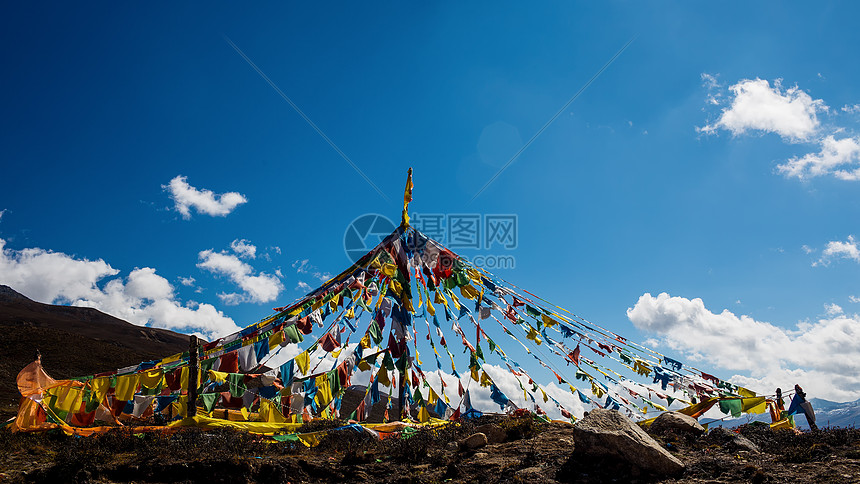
(516, 450)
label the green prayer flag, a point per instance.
(237, 384)
(733, 406)
(209, 400)
(375, 332)
(293, 333)
(388, 362)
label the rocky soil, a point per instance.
(516, 450)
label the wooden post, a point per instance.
(192, 377)
(400, 394)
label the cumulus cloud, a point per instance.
(836, 249)
(303, 286)
(185, 197)
(244, 249)
(821, 356)
(257, 288)
(837, 157)
(756, 106)
(791, 113)
(143, 298)
(47, 276)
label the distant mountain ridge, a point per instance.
(74, 341)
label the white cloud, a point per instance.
(144, 298)
(756, 106)
(851, 109)
(836, 249)
(854, 299)
(1, 214)
(303, 286)
(303, 266)
(832, 309)
(47, 276)
(807, 249)
(187, 281)
(244, 249)
(711, 84)
(256, 288)
(823, 356)
(837, 157)
(185, 197)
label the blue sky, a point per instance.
(671, 173)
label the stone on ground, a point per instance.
(609, 433)
(676, 421)
(494, 433)
(737, 441)
(474, 441)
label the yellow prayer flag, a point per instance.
(754, 405)
(276, 339)
(171, 359)
(303, 362)
(218, 376)
(152, 378)
(67, 397)
(468, 291)
(99, 388)
(389, 269)
(126, 386)
(383, 377)
(485, 379)
(311, 440)
(745, 393)
(423, 415)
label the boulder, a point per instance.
(609, 433)
(474, 441)
(676, 421)
(494, 433)
(732, 439)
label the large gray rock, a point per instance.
(608, 433)
(494, 433)
(676, 421)
(731, 439)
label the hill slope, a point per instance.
(73, 341)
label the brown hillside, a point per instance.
(73, 341)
